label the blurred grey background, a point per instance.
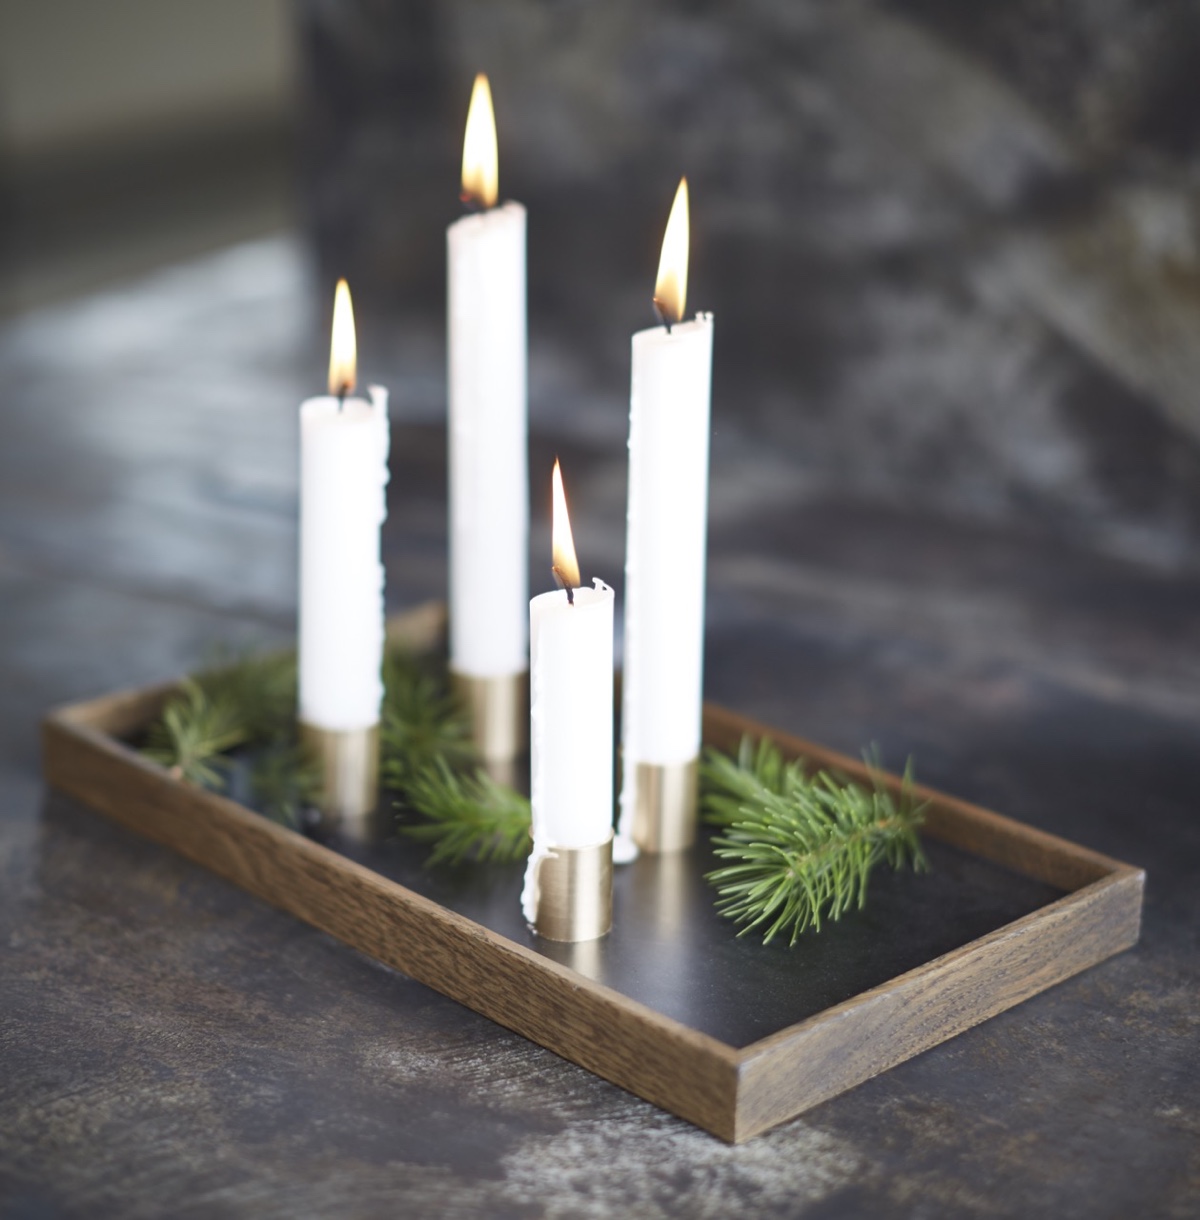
(952, 253)
(137, 132)
(954, 256)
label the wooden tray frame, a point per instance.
(734, 1093)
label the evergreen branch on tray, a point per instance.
(248, 705)
(285, 780)
(798, 846)
(240, 702)
(421, 721)
(261, 688)
(430, 763)
(467, 815)
(194, 735)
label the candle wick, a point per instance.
(662, 315)
(562, 584)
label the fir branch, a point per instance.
(467, 816)
(236, 702)
(250, 703)
(285, 780)
(261, 689)
(430, 763)
(195, 733)
(421, 721)
(800, 847)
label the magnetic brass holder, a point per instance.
(498, 708)
(665, 804)
(574, 893)
(349, 761)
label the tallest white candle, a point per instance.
(488, 428)
(666, 530)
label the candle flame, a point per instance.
(562, 544)
(343, 350)
(480, 164)
(670, 290)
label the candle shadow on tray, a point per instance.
(671, 951)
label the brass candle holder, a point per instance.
(349, 761)
(498, 709)
(666, 799)
(573, 893)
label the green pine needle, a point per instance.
(197, 729)
(421, 721)
(262, 690)
(240, 701)
(430, 763)
(285, 780)
(428, 759)
(800, 847)
(467, 816)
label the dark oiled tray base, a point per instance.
(725, 1032)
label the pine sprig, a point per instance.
(467, 816)
(261, 688)
(431, 765)
(799, 846)
(248, 705)
(240, 703)
(285, 780)
(421, 721)
(195, 734)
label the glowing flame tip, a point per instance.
(343, 347)
(480, 164)
(562, 544)
(670, 290)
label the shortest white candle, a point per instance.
(571, 716)
(571, 710)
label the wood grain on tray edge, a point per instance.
(797, 1068)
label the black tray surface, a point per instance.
(670, 950)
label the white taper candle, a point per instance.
(571, 710)
(343, 477)
(666, 530)
(571, 716)
(488, 426)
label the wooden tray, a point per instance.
(701, 1039)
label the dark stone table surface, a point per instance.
(170, 1046)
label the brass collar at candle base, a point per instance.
(498, 708)
(574, 893)
(665, 805)
(349, 762)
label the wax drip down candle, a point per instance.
(343, 476)
(666, 534)
(488, 441)
(568, 880)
